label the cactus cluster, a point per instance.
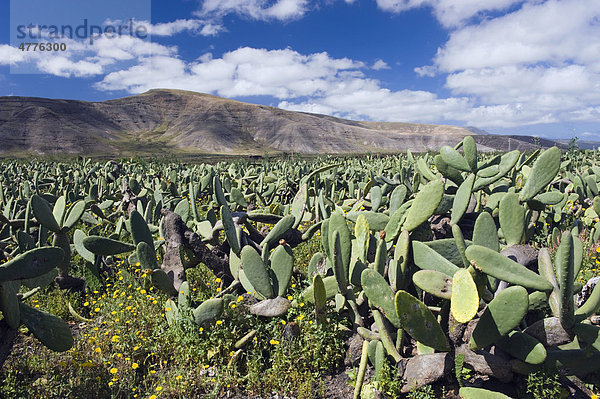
(418, 253)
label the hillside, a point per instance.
(183, 122)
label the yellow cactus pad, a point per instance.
(465, 299)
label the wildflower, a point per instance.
(290, 297)
(97, 350)
(217, 280)
(152, 397)
(299, 318)
(219, 322)
(113, 370)
(135, 366)
(178, 377)
(274, 342)
(283, 322)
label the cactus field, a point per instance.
(454, 274)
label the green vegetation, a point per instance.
(164, 279)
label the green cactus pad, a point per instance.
(278, 230)
(377, 221)
(53, 332)
(282, 265)
(470, 150)
(512, 219)
(381, 256)
(507, 162)
(75, 213)
(454, 159)
(183, 297)
(103, 246)
(78, 236)
(447, 170)
(502, 314)
(397, 198)
(596, 205)
(58, 211)
(376, 196)
(238, 197)
(256, 272)
(462, 199)
(337, 223)
(43, 213)
(248, 286)
(171, 312)
(564, 263)
(31, 264)
(550, 197)
(465, 300)
(139, 229)
(544, 170)
(424, 205)
(229, 226)
(319, 295)
(380, 294)
(163, 282)
(434, 282)
(428, 259)
(331, 289)
(146, 256)
(418, 321)
(9, 303)
(208, 311)
(480, 393)
(234, 264)
(394, 226)
(218, 192)
(398, 265)
(591, 306)
(523, 346)
(299, 204)
(362, 232)
(503, 268)
(485, 232)
(588, 334)
(339, 269)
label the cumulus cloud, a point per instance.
(309, 83)
(450, 13)
(379, 65)
(281, 10)
(534, 65)
(553, 31)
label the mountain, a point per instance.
(186, 123)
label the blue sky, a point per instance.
(506, 66)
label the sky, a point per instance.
(504, 66)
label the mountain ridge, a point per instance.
(183, 122)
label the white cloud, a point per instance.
(379, 65)
(534, 65)
(65, 67)
(10, 55)
(281, 10)
(553, 31)
(309, 83)
(427, 70)
(450, 13)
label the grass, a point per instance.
(129, 350)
